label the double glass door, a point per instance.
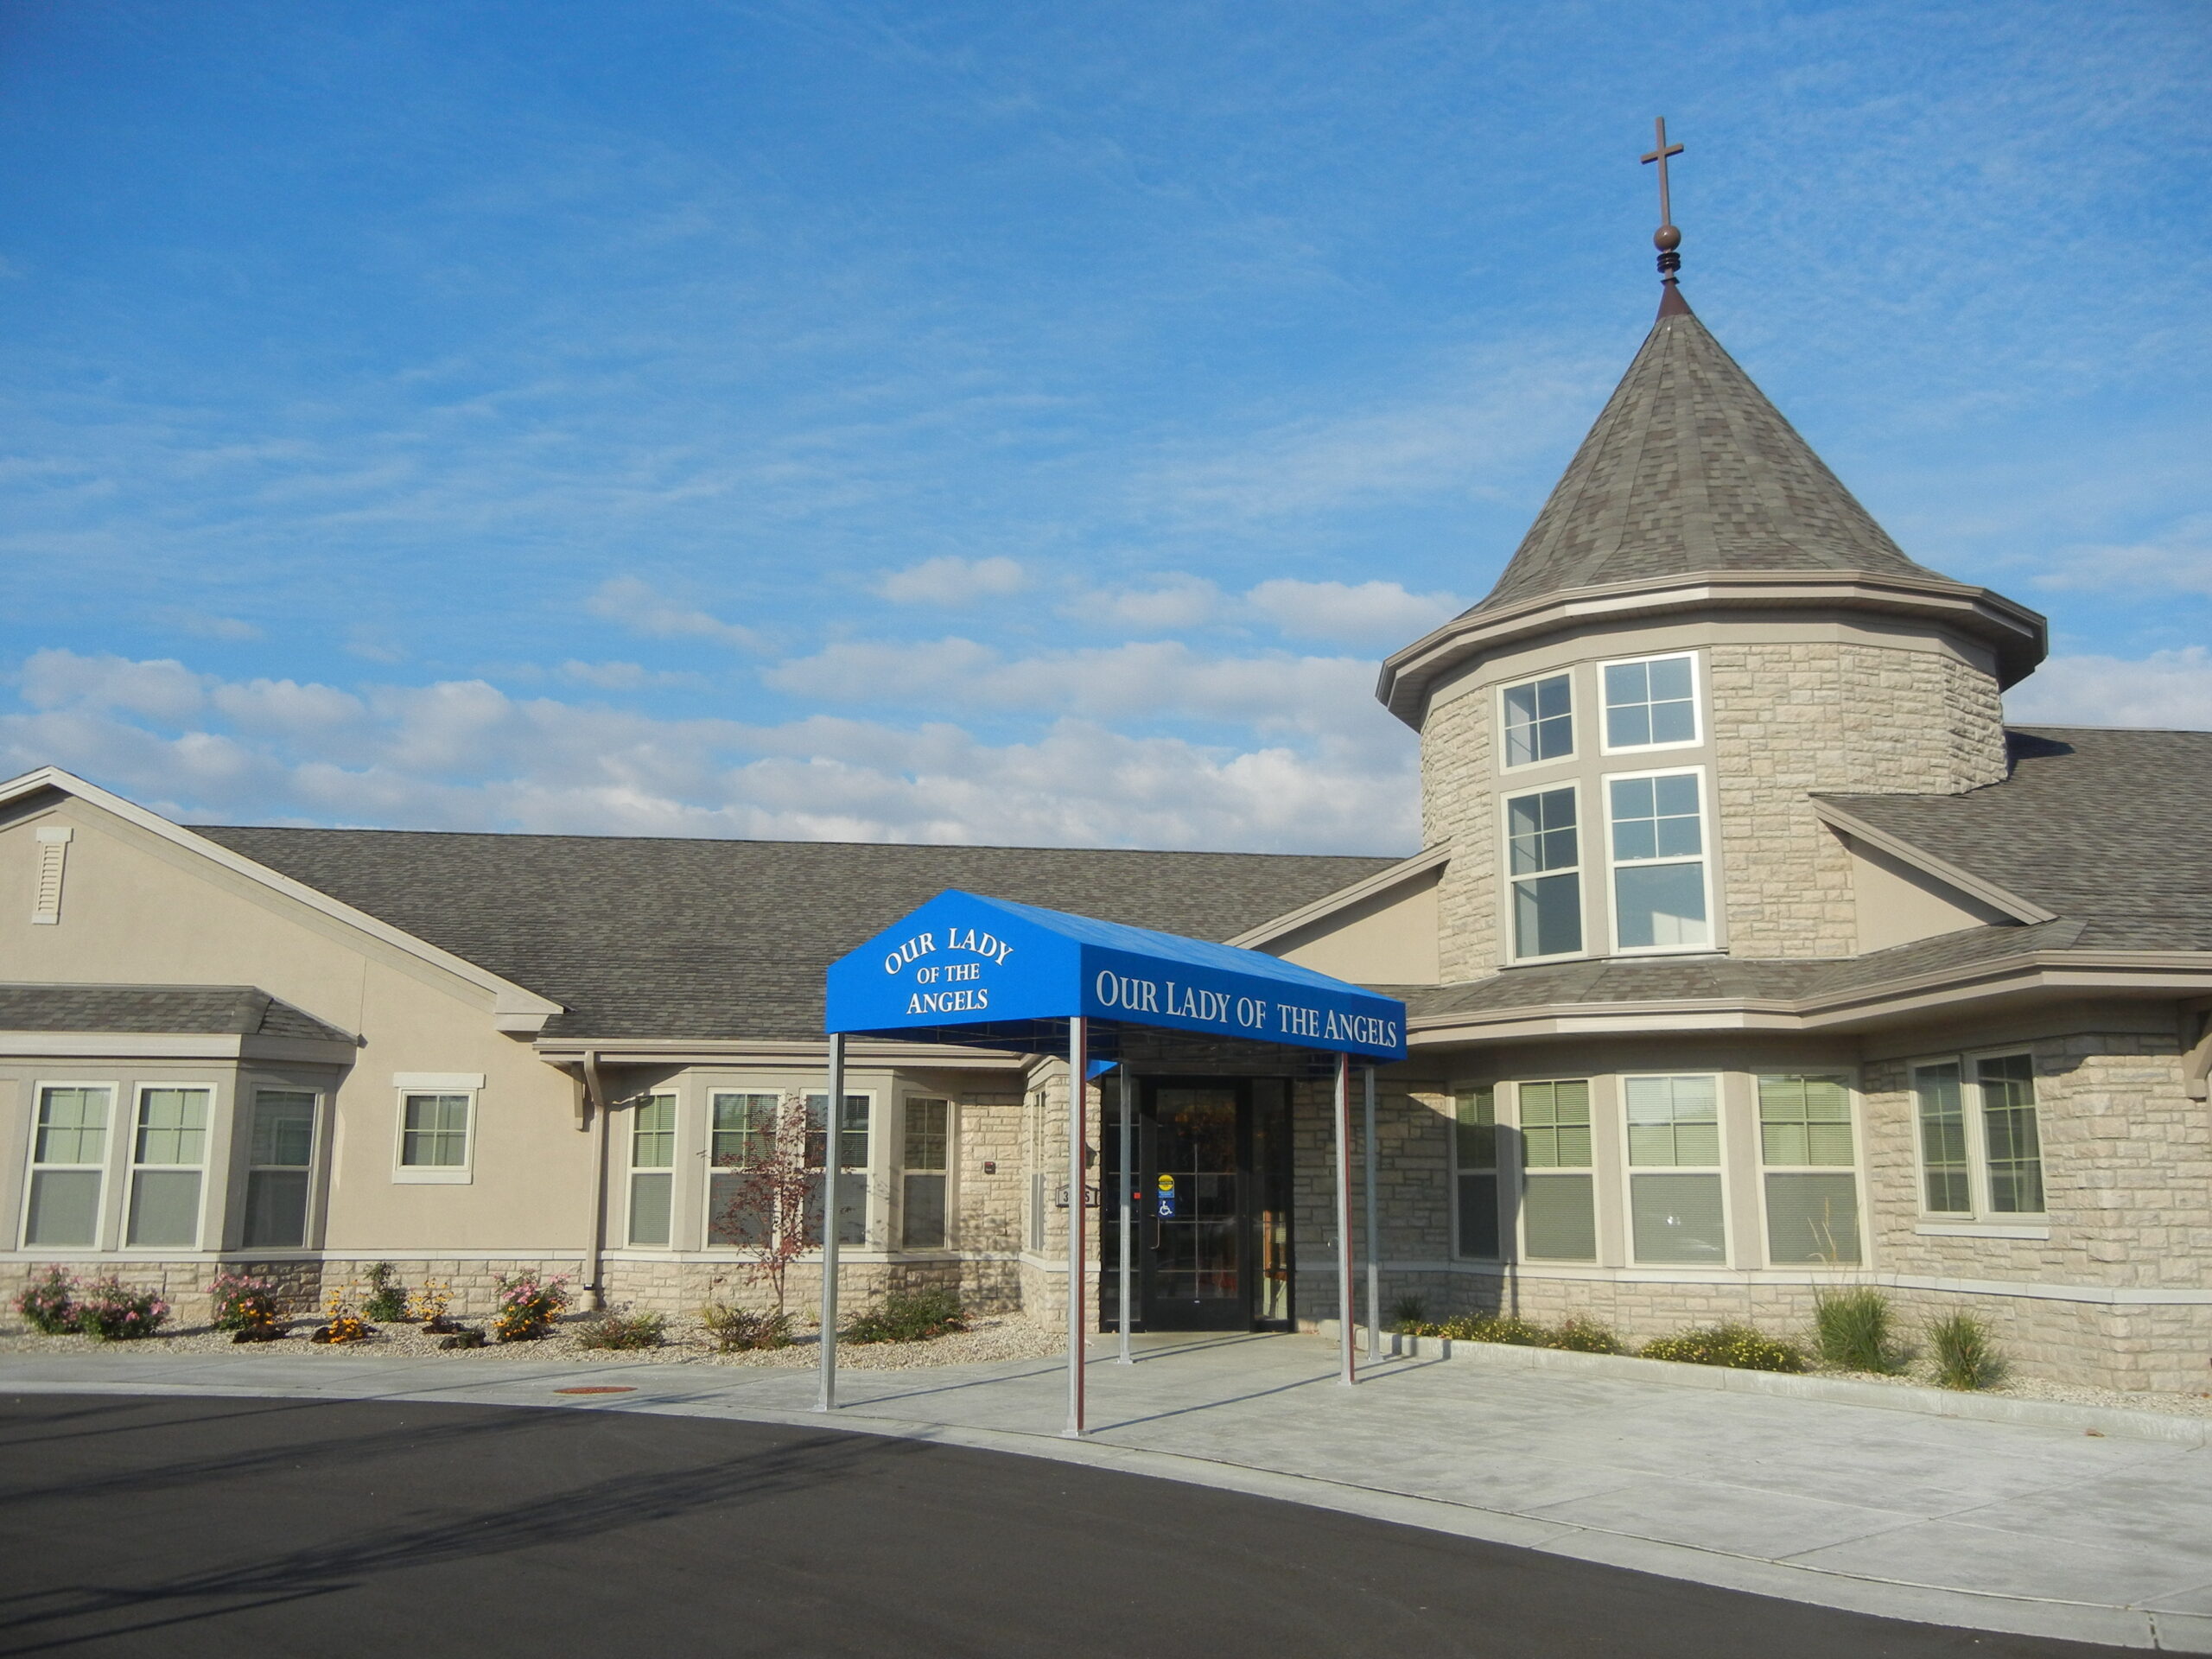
(1210, 1191)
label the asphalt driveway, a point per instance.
(135, 1525)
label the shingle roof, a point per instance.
(679, 938)
(197, 1009)
(1689, 468)
(2111, 829)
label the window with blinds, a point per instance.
(1474, 1161)
(925, 1164)
(1678, 1211)
(1559, 1213)
(168, 1155)
(653, 1169)
(1811, 1171)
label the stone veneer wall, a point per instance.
(1458, 804)
(182, 1283)
(1791, 720)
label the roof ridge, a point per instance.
(759, 841)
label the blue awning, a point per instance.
(967, 969)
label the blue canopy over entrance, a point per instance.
(989, 972)
(992, 972)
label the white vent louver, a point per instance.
(52, 854)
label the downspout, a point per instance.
(594, 1300)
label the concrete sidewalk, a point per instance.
(1993, 1526)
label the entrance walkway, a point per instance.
(1990, 1526)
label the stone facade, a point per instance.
(1458, 805)
(1791, 720)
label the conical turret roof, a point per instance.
(1690, 469)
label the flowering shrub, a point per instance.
(429, 1307)
(340, 1324)
(528, 1305)
(113, 1311)
(1736, 1345)
(242, 1303)
(49, 1303)
(386, 1300)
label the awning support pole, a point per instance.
(1374, 1234)
(1344, 1221)
(826, 1397)
(1078, 1089)
(1128, 1177)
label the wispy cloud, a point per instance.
(2169, 688)
(202, 626)
(1372, 613)
(951, 579)
(1164, 604)
(635, 604)
(2178, 562)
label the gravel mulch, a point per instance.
(2035, 1388)
(685, 1342)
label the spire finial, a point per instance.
(1666, 238)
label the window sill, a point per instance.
(1981, 1230)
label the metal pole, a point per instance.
(1129, 1176)
(826, 1396)
(1078, 1087)
(1373, 1234)
(1344, 1219)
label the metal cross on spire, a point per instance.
(1666, 238)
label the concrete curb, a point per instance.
(2115, 1421)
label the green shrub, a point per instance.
(1407, 1314)
(1738, 1346)
(386, 1302)
(1581, 1336)
(1965, 1353)
(910, 1316)
(49, 1303)
(1852, 1330)
(622, 1331)
(741, 1329)
(113, 1311)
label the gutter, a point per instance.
(594, 1125)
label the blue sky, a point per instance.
(1008, 423)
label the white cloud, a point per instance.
(1171, 601)
(1374, 612)
(2180, 562)
(202, 626)
(625, 676)
(636, 605)
(2168, 688)
(953, 580)
(463, 754)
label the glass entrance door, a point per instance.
(1192, 1251)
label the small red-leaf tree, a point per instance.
(766, 1210)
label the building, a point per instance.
(1749, 952)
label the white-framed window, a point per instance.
(168, 1161)
(926, 1167)
(653, 1170)
(741, 1130)
(1979, 1138)
(1543, 861)
(437, 1128)
(1656, 845)
(68, 1173)
(853, 1135)
(280, 1168)
(1808, 1153)
(1538, 719)
(1650, 702)
(1677, 1209)
(1558, 1209)
(1474, 1170)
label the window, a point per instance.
(1539, 721)
(1544, 860)
(744, 1133)
(436, 1133)
(280, 1157)
(166, 1156)
(852, 1156)
(1675, 1210)
(2008, 1119)
(1651, 704)
(927, 1160)
(1812, 1172)
(1474, 1157)
(1946, 1188)
(68, 1161)
(1982, 1111)
(1658, 847)
(653, 1168)
(1559, 1216)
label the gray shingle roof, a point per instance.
(197, 1009)
(1689, 468)
(2110, 829)
(640, 938)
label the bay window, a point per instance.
(1474, 1162)
(1677, 1210)
(1657, 838)
(68, 1165)
(653, 1169)
(1539, 721)
(1811, 1171)
(1650, 703)
(168, 1155)
(1558, 1214)
(1544, 863)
